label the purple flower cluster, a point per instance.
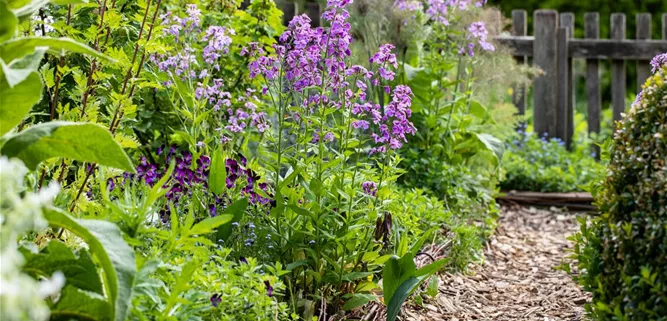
(218, 41)
(408, 5)
(477, 31)
(369, 188)
(658, 61)
(439, 10)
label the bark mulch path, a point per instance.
(518, 280)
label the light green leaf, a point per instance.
(8, 23)
(493, 144)
(78, 304)
(208, 225)
(16, 102)
(116, 258)
(85, 142)
(396, 271)
(218, 173)
(20, 69)
(357, 300)
(19, 47)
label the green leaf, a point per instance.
(236, 209)
(396, 271)
(66, 2)
(401, 294)
(218, 173)
(19, 47)
(357, 300)
(21, 69)
(493, 144)
(77, 304)
(208, 225)
(16, 102)
(106, 243)
(8, 23)
(356, 275)
(80, 271)
(85, 142)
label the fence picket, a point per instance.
(545, 57)
(643, 33)
(618, 76)
(592, 31)
(520, 28)
(562, 121)
(567, 21)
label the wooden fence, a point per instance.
(552, 49)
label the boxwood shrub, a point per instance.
(622, 254)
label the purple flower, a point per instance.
(269, 288)
(369, 188)
(329, 136)
(658, 61)
(216, 299)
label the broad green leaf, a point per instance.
(21, 69)
(8, 23)
(79, 269)
(85, 142)
(208, 225)
(116, 258)
(19, 47)
(16, 102)
(430, 269)
(77, 304)
(236, 209)
(356, 275)
(401, 294)
(396, 271)
(218, 173)
(493, 144)
(357, 300)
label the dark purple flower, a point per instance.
(369, 188)
(216, 299)
(243, 260)
(269, 288)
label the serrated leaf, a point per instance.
(106, 243)
(16, 102)
(79, 269)
(85, 142)
(19, 47)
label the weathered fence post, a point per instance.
(313, 11)
(567, 21)
(643, 33)
(545, 56)
(664, 26)
(289, 11)
(592, 31)
(520, 28)
(562, 85)
(618, 68)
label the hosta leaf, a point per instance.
(401, 294)
(19, 47)
(77, 304)
(16, 102)
(116, 258)
(79, 269)
(80, 141)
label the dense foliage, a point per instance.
(621, 253)
(540, 164)
(172, 161)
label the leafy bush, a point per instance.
(540, 164)
(621, 253)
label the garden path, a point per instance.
(518, 280)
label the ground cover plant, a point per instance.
(173, 161)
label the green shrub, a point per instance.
(622, 253)
(539, 164)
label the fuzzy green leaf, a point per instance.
(77, 304)
(80, 141)
(116, 258)
(19, 47)
(16, 102)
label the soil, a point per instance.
(518, 279)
